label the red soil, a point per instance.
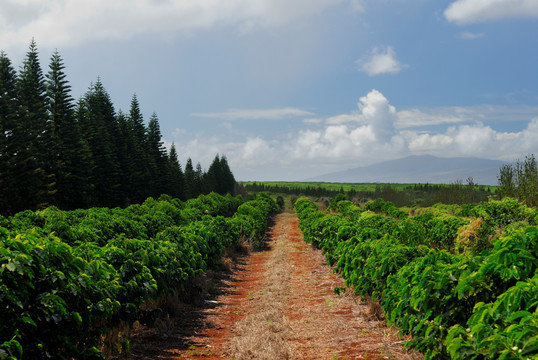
(323, 325)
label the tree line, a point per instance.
(412, 195)
(78, 154)
(520, 180)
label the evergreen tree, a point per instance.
(34, 156)
(219, 178)
(157, 158)
(213, 175)
(55, 152)
(96, 116)
(190, 190)
(72, 167)
(124, 144)
(175, 178)
(227, 179)
(8, 119)
(139, 179)
(199, 184)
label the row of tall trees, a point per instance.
(520, 180)
(75, 154)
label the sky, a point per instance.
(293, 89)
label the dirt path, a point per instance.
(278, 304)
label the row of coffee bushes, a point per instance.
(464, 286)
(67, 278)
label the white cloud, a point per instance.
(464, 12)
(476, 140)
(376, 131)
(256, 151)
(381, 60)
(350, 136)
(426, 142)
(256, 114)
(460, 114)
(343, 118)
(313, 121)
(62, 23)
(415, 117)
(378, 113)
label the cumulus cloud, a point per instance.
(71, 22)
(351, 135)
(375, 131)
(378, 114)
(380, 60)
(464, 12)
(256, 150)
(476, 140)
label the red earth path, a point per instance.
(276, 304)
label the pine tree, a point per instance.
(73, 165)
(227, 180)
(34, 158)
(124, 144)
(96, 116)
(157, 158)
(190, 190)
(176, 179)
(199, 185)
(213, 175)
(8, 119)
(140, 178)
(219, 177)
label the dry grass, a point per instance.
(280, 305)
(262, 335)
(296, 314)
(375, 311)
(264, 332)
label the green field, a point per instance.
(339, 186)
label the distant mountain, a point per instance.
(421, 169)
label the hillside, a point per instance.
(421, 169)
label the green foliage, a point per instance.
(385, 207)
(520, 181)
(506, 328)
(68, 278)
(480, 303)
(367, 263)
(420, 299)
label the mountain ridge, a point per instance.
(421, 169)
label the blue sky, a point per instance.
(290, 89)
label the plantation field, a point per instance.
(462, 280)
(457, 281)
(73, 283)
(346, 187)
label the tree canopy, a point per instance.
(77, 154)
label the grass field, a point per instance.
(339, 186)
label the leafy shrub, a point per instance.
(68, 278)
(385, 207)
(506, 328)
(481, 303)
